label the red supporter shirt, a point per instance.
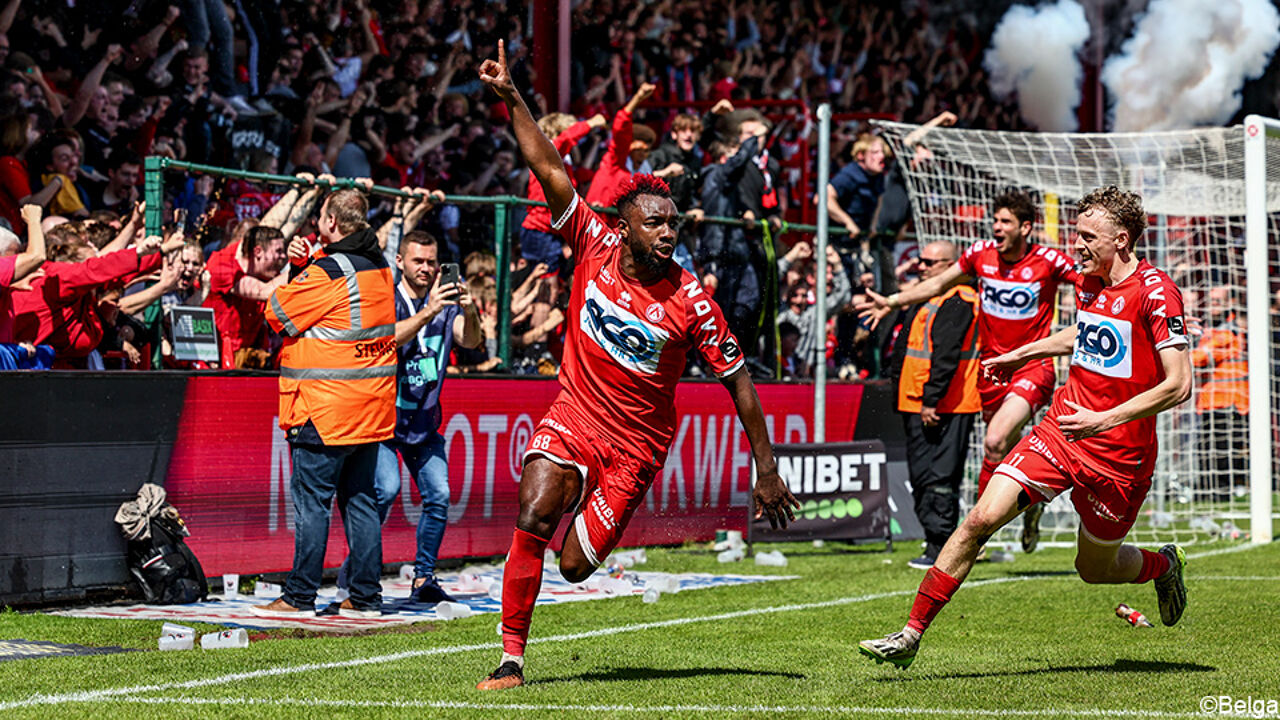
(1018, 298)
(613, 165)
(7, 267)
(61, 309)
(241, 322)
(14, 185)
(627, 341)
(539, 218)
(1120, 332)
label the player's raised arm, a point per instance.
(545, 163)
(878, 306)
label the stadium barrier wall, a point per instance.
(502, 216)
(82, 443)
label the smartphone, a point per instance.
(180, 217)
(449, 274)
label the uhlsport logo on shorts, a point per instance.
(1103, 345)
(634, 343)
(1010, 300)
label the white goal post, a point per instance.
(1213, 199)
(1258, 131)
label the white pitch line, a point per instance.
(1240, 578)
(665, 709)
(95, 695)
(1225, 551)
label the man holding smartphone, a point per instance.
(433, 311)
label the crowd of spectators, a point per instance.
(386, 90)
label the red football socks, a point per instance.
(935, 591)
(1153, 566)
(521, 581)
(984, 475)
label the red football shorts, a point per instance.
(1107, 504)
(613, 482)
(1032, 382)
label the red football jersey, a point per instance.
(1017, 298)
(1120, 332)
(627, 341)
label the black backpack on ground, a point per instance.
(166, 570)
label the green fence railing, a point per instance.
(154, 195)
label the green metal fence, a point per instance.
(502, 204)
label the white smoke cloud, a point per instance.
(1187, 62)
(1034, 52)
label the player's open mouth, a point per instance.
(663, 251)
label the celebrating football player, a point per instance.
(633, 316)
(1129, 361)
(1019, 282)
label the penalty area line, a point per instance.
(663, 709)
(129, 691)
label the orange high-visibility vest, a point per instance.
(1222, 350)
(962, 393)
(338, 362)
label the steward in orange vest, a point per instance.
(938, 398)
(1221, 350)
(337, 401)
(1222, 400)
(944, 378)
(338, 362)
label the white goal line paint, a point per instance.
(1223, 551)
(1235, 578)
(125, 692)
(663, 709)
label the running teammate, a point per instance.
(1129, 361)
(633, 316)
(1019, 283)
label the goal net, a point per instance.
(1193, 187)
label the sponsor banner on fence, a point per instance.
(230, 467)
(843, 489)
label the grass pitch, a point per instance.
(1025, 639)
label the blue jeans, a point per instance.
(429, 468)
(13, 357)
(320, 472)
(206, 19)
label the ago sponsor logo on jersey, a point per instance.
(635, 344)
(1103, 344)
(1010, 300)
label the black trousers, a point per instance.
(1224, 447)
(935, 462)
